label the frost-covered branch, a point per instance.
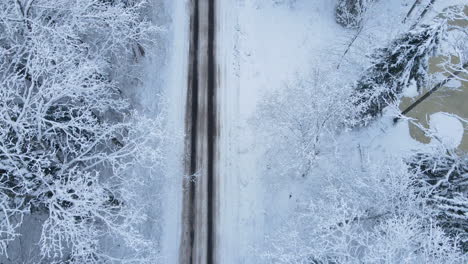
(63, 119)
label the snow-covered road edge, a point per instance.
(175, 89)
(228, 229)
(240, 209)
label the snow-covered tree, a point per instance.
(63, 119)
(455, 50)
(380, 209)
(303, 116)
(444, 175)
(406, 60)
(374, 213)
(350, 13)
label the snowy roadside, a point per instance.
(174, 88)
(261, 48)
(264, 47)
(163, 94)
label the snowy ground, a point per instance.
(263, 46)
(164, 92)
(174, 88)
(448, 128)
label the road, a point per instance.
(199, 210)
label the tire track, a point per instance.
(198, 243)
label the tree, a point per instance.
(443, 173)
(373, 213)
(406, 60)
(63, 119)
(454, 64)
(350, 13)
(455, 53)
(303, 117)
(380, 209)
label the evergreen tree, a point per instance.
(445, 178)
(404, 61)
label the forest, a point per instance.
(332, 131)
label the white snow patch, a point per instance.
(454, 84)
(175, 90)
(411, 90)
(447, 128)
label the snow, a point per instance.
(263, 47)
(447, 128)
(174, 87)
(454, 84)
(411, 90)
(164, 90)
(441, 6)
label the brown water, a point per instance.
(446, 99)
